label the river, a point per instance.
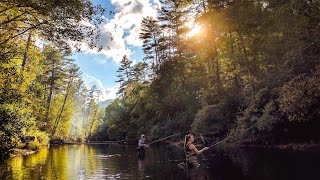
(103, 161)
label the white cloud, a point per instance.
(133, 37)
(111, 93)
(123, 30)
(106, 93)
(100, 61)
(130, 14)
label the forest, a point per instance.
(42, 94)
(249, 69)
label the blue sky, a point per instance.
(123, 27)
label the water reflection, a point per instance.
(264, 164)
(121, 162)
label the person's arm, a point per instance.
(144, 144)
(194, 149)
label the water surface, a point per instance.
(102, 161)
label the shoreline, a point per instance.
(22, 152)
(178, 144)
(288, 147)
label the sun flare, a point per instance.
(194, 31)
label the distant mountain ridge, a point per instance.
(105, 103)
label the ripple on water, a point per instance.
(114, 162)
(103, 157)
(114, 176)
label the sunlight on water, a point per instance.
(120, 162)
(79, 162)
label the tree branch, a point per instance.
(13, 19)
(19, 34)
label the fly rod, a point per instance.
(220, 142)
(162, 139)
(225, 139)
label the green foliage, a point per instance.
(6, 142)
(151, 36)
(248, 73)
(207, 117)
(39, 89)
(54, 21)
(125, 75)
(11, 116)
(300, 98)
(260, 117)
(34, 145)
(267, 121)
(245, 74)
(42, 137)
(216, 119)
(117, 128)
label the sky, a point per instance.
(120, 33)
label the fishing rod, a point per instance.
(162, 139)
(201, 137)
(227, 138)
(220, 142)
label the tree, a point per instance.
(240, 73)
(33, 79)
(73, 74)
(90, 106)
(124, 74)
(54, 21)
(139, 72)
(151, 42)
(54, 74)
(95, 117)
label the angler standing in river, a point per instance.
(191, 151)
(141, 146)
(191, 164)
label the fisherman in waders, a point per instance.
(192, 152)
(141, 146)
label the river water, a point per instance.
(102, 161)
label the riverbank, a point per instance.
(22, 152)
(160, 162)
(23, 149)
(289, 146)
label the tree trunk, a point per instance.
(63, 105)
(51, 89)
(218, 71)
(25, 55)
(94, 118)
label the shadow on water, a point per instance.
(122, 162)
(263, 164)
